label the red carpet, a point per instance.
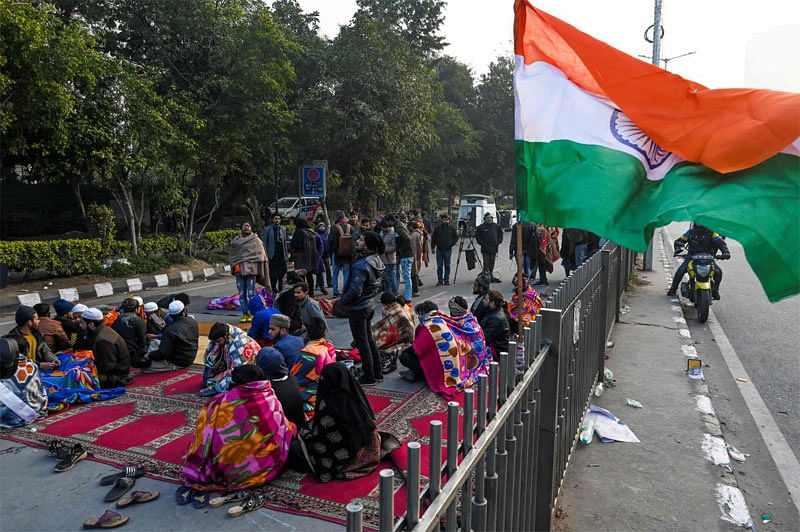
(151, 426)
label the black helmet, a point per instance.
(9, 356)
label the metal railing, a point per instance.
(507, 471)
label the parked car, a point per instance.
(292, 206)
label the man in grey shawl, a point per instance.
(249, 265)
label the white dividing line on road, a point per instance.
(779, 449)
(732, 506)
(785, 460)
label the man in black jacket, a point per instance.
(480, 287)
(131, 327)
(495, 326)
(489, 235)
(110, 352)
(405, 254)
(445, 236)
(179, 342)
(358, 301)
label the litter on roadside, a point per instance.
(587, 430)
(608, 427)
(736, 454)
(609, 344)
(598, 390)
(634, 403)
(694, 368)
(740, 379)
(625, 309)
(766, 518)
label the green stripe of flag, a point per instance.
(566, 184)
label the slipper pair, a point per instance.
(254, 500)
(186, 495)
(128, 471)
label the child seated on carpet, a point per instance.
(241, 439)
(228, 348)
(449, 352)
(342, 439)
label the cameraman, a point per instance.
(489, 235)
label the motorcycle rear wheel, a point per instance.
(703, 303)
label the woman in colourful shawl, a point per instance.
(531, 304)
(342, 440)
(449, 351)
(228, 348)
(241, 438)
(314, 356)
(394, 332)
(23, 399)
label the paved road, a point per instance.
(764, 335)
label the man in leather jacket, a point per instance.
(358, 301)
(496, 330)
(701, 240)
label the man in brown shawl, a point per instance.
(249, 264)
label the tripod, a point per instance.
(466, 234)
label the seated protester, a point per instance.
(37, 349)
(130, 326)
(259, 327)
(54, 335)
(315, 355)
(394, 332)
(480, 287)
(287, 305)
(342, 440)
(229, 347)
(531, 304)
(178, 345)
(110, 351)
(449, 351)
(287, 344)
(308, 307)
(496, 330)
(283, 383)
(241, 439)
(166, 300)
(84, 340)
(155, 320)
(23, 398)
(457, 306)
(66, 317)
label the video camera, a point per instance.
(469, 226)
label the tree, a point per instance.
(415, 21)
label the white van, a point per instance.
(473, 208)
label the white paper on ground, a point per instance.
(609, 427)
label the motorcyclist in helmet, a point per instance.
(701, 240)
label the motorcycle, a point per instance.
(698, 288)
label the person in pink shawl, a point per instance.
(448, 351)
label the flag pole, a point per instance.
(647, 260)
(520, 289)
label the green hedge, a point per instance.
(77, 257)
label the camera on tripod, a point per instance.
(469, 225)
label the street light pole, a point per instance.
(647, 261)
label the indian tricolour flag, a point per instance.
(617, 146)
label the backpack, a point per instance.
(345, 248)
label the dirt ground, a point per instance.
(43, 285)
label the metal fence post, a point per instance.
(548, 412)
(435, 459)
(354, 511)
(466, 439)
(492, 478)
(479, 476)
(412, 488)
(386, 498)
(604, 262)
(452, 458)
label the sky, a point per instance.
(746, 44)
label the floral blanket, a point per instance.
(531, 305)
(75, 381)
(232, 302)
(452, 352)
(313, 357)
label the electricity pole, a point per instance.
(647, 261)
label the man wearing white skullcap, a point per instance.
(179, 342)
(110, 351)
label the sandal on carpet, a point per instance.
(233, 496)
(121, 486)
(183, 495)
(254, 501)
(128, 471)
(137, 497)
(107, 520)
(199, 499)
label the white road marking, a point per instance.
(732, 506)
(704, 404)
(715, 450)
(685, 333)
(689, 350)
(781, 453)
